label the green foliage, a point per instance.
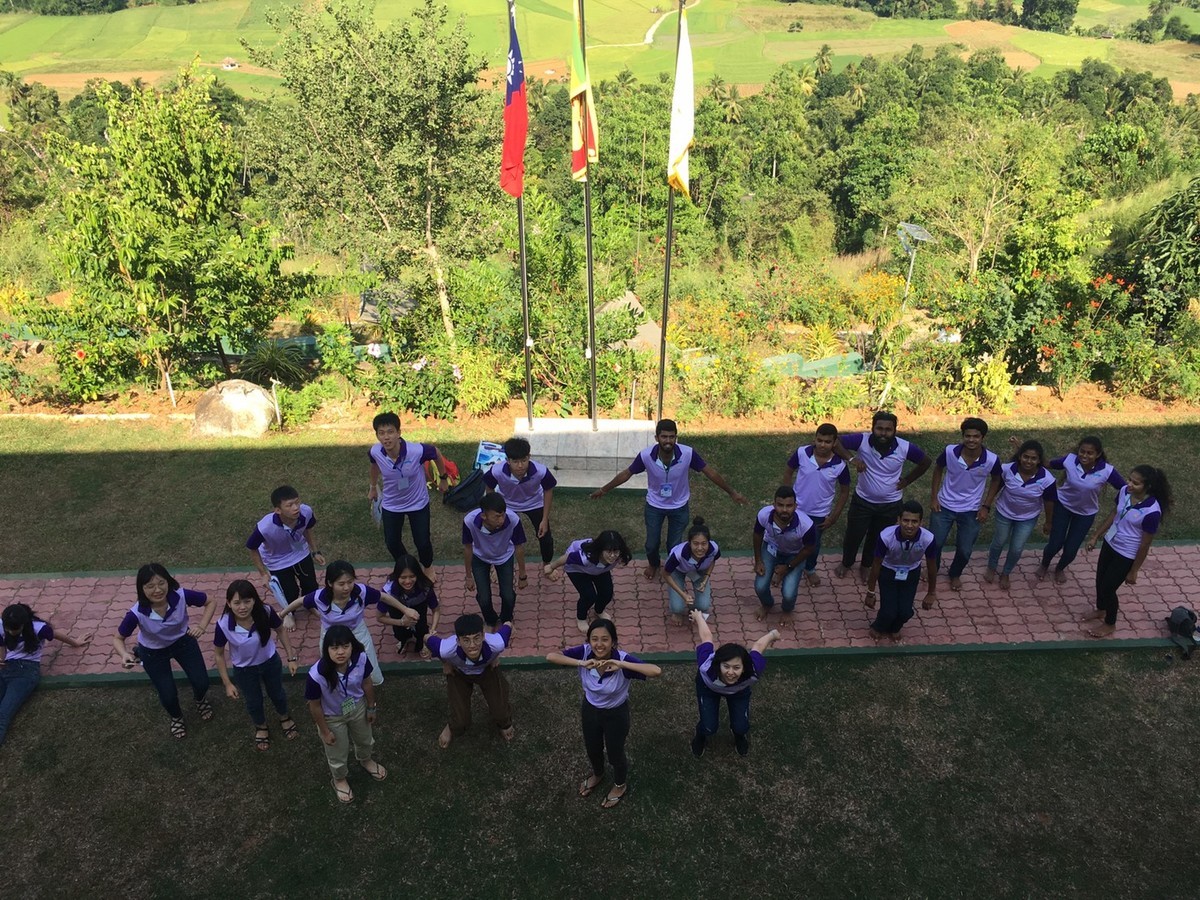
(1049, 15)
(487, 379)
(822, 399)
(427, 386)
(271, 360)
(732, 383)
(14, 382)
(297, 406)
(1167, 253)
(335, 344)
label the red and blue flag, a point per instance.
(516, 114)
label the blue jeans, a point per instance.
(595, 592)
(701, 596)
(157, 663)
(1011, 533)
(895, 600)
(810, 563)
(677, 521)
(482, 573)
(967, 532)
(18, 679)
(709, 702)
(790, 583)
(1068, 531)
(251, 680)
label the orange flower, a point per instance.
(79, 354)
(1095, 304)
(1076, 344)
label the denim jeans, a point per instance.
(251, 680)
(18, 679)
(157, 663)
(595, 592)
(790, 583)
(810, 562)
(482, 573)
(677, 521)
(1068, 531)
(418, 523)
(895, 600)
(709, 702)
(701, 596)
(1011, 533)
(967, 527)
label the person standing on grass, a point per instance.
(605, 672)
(409, 585)
(398, 465)
(283, 549)
(667, 466)
(1128, 532)
(896, 571)
(492, 537)
(160, 618)
(245, 628)
(1087, 472)
(21, 658)
(730, 672)
(589, 565)
(527, 487)
(341, 701)
(783, 539)
(963, 474)
(691, 562)
(472, 658)
(344, 601)
(821, 481)
(880, 488)
(1026, 489)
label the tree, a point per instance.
(1049, 15)
(823, 61)
(160, 259)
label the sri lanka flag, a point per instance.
(516, 114)
(585, 136)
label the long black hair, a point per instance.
(1157, 485)
(406, 561)
(606, 540)
(337, 636)
(334, 571)
(146, 573)
(258, 613)
(19, 617)
(1030, 444)
(724, 654)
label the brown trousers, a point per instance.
(494, 687)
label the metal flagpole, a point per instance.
(662, 345)
(587, 234)
(525, 311)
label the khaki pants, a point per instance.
(492, 683)
(352, 728)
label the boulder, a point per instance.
(239, 408)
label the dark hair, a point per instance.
(606, 540)
(147, 572)
(468, 623)
(725, 653)
(517, 448)
(408, 562)
(1157, 485)
(262, 621)
(607, 625)
(333, 572)
(827, 429)
(282, 493)
(337, 636)
(698, 527)
(785, 490)
(974, 423)
(665, 425)
(882, 415)
(493, 503)
(19, 616)
(1030, 444)
(1092, 441)
(387, 418)
(912, 506)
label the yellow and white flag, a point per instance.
(683, 112)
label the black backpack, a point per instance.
(1181, 623)
(465, 495)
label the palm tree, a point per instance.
(733, 105)
(823, 61)
(858, 93)
(806, 81)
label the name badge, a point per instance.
(348, 706)
(1111, 533)
(402, 482)
(770, 548)
(902, 573)
(666, 490)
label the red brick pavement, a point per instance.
(830, 615)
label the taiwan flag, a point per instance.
(516, 114)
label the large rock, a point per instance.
(239, 408)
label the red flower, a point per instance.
(79, 354)
(1076, 344)
(1095, 304)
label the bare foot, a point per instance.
(508, 733)
(785, 620)
(989, 576)
(1041, 572)
(649, 572)
(955, 583)
(895, 637)
(677, 621)
(445, 737)
(1060, 576)
(1101, 631)
(877, 635)
(761, 613)
(1004, 582)
(429, 573)
(841, 571)
(812, 578)
(1094, 616)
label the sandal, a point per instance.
(378, 772)
(290, 731)
(585, 789)
(205, 709)
(425, 654)
(262, 739)
(612, 801)
(178, 729)
(344, 795)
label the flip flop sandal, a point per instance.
(262, 739)
(584, 790)
(178, 729)
(290, 731)
(344, 795)
(612, 801)
(379, 773)
(205, 709)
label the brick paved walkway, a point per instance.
(828, 616)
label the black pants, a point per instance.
(1111, 571)
(866, 520)
(297, 579)
(546, 541)
(418, 523)
(606, 729)
(416, 632)
(595, 592)
(157, 665)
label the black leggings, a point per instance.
(546, 541)
(1111, 571)
(595, 592)
(606, 729)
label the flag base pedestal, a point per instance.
(582, 458)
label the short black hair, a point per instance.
(517, 448)
(386, 418)
(467, 624)
(725, 653)
(493, 503)
(785, 490)
(912, 506)
(282, 493)
(665, 425)
(974, 423)
(882, 415)
(827, 429)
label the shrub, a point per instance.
(335, 344)
(425, 386)
(822, 399)
(731, 384)
(13, 381)
(297, 407)
(271, 360)
(486, 379)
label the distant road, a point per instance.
(649, 38)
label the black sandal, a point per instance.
(205, 709)
(262, 738)
(178, 729)
(290, 731)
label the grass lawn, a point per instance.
(110, 496)
(1055, 774)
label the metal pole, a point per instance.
(662, 344)
(587, 235)
(912, 261)
(525, 311)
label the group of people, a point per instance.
(886, 538)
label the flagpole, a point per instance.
(525, 311)
(587, 235)
(662, 345)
